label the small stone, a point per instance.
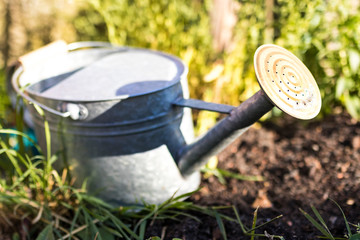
(262, 200)
(356, 142)
(350, 202)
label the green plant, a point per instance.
(222, 173)
(322, 227)
(177, 27)
(4, 100)
(251, 232)
(324, 35)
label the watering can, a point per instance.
(120, 117)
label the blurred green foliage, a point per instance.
(323, 34)
(326, 36)
(4, 100)
(177, 27)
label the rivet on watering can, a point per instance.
(75, 111)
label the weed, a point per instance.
(251, 232)
(323, 228)
(222, 173)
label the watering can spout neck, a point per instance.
(195, 155)
(285, 82)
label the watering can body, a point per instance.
(127, 154)
(120, 119)
(124, 145)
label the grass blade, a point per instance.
(142, 230)
(240, 176)
(243, 228)
(19, 108)
(122, 226)
(220, 224)
(73, 223)
(355, 236)
(12, 159)
(346, 222)
(317, 225)
(321, 220)
(46, 233)
(15, 132)
(254, 224)
(261, 225)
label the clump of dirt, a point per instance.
(304, 164)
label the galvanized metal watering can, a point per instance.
(121, 116)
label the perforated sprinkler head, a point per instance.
(287, 82)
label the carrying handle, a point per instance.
(19, 91)
(72, 110)
(55, 49)
(33, 59)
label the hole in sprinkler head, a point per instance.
(297, 103)
(279, 90)
(268, 70)
(288, 98)
(288, 83)
(280, 81)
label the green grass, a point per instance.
(251, 232)
(320, 225)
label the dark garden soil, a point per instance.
(304, 164)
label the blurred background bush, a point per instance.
(216, 38)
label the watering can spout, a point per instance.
(285, 83)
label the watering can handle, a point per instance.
(74, 111)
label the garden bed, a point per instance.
(304, 164)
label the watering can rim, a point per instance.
(182, 71)
(61, 47)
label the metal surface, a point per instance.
(201, 105)
(195, 155)
(51, 71)
(287, 81)
(118, 76)
(82, 45)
